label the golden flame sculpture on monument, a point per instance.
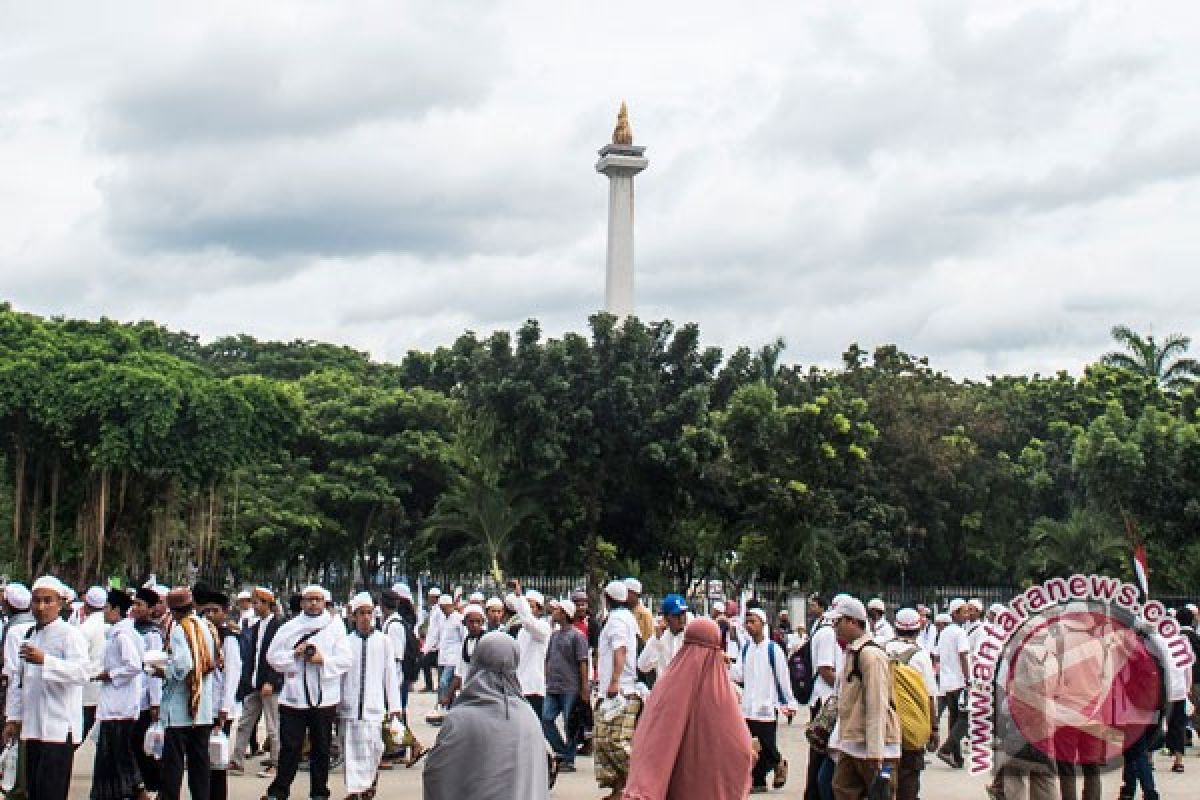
(623, 133)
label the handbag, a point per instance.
(821, 727)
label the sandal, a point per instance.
(1177, 768)
(418, 752)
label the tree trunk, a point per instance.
(18, 489)
(48, 550)
(101, 521)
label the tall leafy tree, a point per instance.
(1161, 362)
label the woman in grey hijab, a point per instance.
(491, 745)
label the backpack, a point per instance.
(1194, 640)
(800, 668)
(909, 698)
(771, 648)
(410, 664)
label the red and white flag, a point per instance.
(1140, 570)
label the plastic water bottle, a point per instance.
(881, 787)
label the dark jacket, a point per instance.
(252, 653)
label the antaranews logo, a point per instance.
(1071, 672)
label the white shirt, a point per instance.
(660, 650)
(919, 660)
(393, 628)
(882, 631)
(94, 629)
(450, 638)
(952, 642)
(927, 638)
(975, 633)
(49, 698)
(620, 630)
(764, 691)
(12, 656)
(532, 640)
(323, 681)
(463, 667)
(826, 652)
(121, 696)
(225, 691)
(433, 633)
(370, 688)
(152, 639)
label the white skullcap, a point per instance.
(718, 607)
(245, 594)
(18, 596)
(876, 604)
(977, 603)
(476, 598)
(567, 606)
(633, 585)
(758, 612)
(996, 609)
(403, 591)
(360, 600)
(96, 597)
(473, 608)
(850, 607)
(534, 596)
(617, 590)
(943, 618)
(52, 583)
(445, 600)
(435, 591)
(313, 588)
(495, 602)
(956, 604)
(838, 597)
(907, 619)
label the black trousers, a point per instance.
(1177, 721)
(147, 765)
(958, 725)
(48, 769)
(768, 756)
(188, 745)
(536, 700)
(89, 719)
(294, 723)
(428, 662)
(815, 760)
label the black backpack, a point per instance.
(800, 668)
(410, 664)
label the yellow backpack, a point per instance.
(911, 701)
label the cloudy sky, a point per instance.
(994, 184)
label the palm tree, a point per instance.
(1086, 542)
(1147, 357)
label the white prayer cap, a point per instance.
(567, 606)
(850, 607)
(758, 612)
(977, 603)
(907, 619)
(633, 585)
(876, 604)
(996, 609)
(534, 596)
(435, 591)
(403, 590)
(245, 594)
(476, 597)
(361, 600)
(17, 595)
(494, 602)
(52, 583)
(718, 607)
(617, 590)
(445, 600)
(956, 604)
(96, 597)
(943, 618)
(473, 608)
(313, 588)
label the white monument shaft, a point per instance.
(620, 162)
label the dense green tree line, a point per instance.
(131, 448)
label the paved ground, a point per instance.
(939, 781)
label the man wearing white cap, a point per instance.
(617, 713)
(473, 625)
(45, 710)
(566, 682)
(643, 615)
(494, 615)
(881, 629)
(370, 691)
(905, 649)
(532, 640)
(953, 667)
(17, 620)
(449, 646)
(245, 604)
(434, 617)
(766, 692)
(827, 662)
(312, 653)
(93, 628)
(258, 689)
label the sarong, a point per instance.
(364, 748)
(612, 740)
(115, 775)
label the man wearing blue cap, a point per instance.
(667, 638)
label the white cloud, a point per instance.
(990, 185)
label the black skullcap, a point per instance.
(118, 599)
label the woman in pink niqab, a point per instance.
(691, 741)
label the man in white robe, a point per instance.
(115, 775)
(370, 692)
(46, 709)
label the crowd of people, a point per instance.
(187, 682)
